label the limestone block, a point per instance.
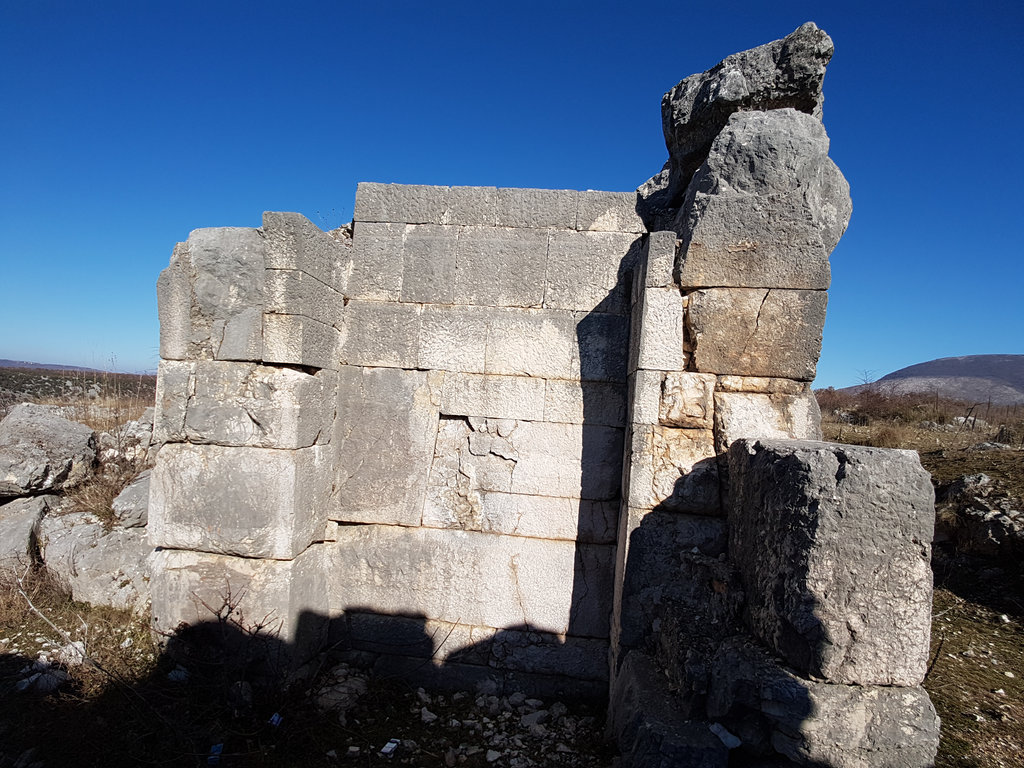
(548, 654)
(378, 261)
(516, 581)
(226, 267)
(660, 260)
(500, 267)
(761, 384)
(380, 334)
(473, 206)
(756, 332)
(501, 397)
(815, 723)
(645, 396)
(523, 342)
(442, 641)
(602, 347)
(174, 306)
(405, 203)
(833, 543)
(293, 242)
(428, 258)
(587, 402)
(131, 506)
(687, 400)
(607, 212)
(174, 379)
(386, 428)
(42, 451)
(673, 470)
(287, 599)
(299, 340)
(263, 406)
(659, 331)
(292, 292)
(454, 338)
(250, 502)
(754, 415)
(19, 531)
(537, 208)
(584, 271)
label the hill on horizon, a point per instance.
(998, 379)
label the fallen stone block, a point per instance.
(833, 544)
(40, 450)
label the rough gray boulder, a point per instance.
(833, 543)
(131, 507)
(766, 208)
(19, 527)
(783, 73)
(41, 450)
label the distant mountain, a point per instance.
(975, 378)
(47, 366)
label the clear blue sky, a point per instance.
(126, 125)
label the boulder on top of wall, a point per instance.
(766, 208)
(783, 73)
(40, 450)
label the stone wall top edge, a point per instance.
(368, 185)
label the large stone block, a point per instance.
(659, 261)
(40, 450)
(473, 206)
(585, 402)
(762, 384)
(454, 338)
(378, 261)
(174, 306)
(607, 212)
(688, 400)
(544, 653)
(775, 712)
(380, 334)
(386, 429)
(673, 469)
(754, 415)
(500, 267)
(517, 582)
(173, 381)
(285, 600)
(522, 342)
(250, 502)
(500, 397)
(602, 347)
(404, 203)
(534, 208)
(293, 292)
(756, 332)
(585, 272)
(295, 243)
(299, 340)
(658, 331)
(428, 258)
(833, 543)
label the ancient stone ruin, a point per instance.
(561, 442)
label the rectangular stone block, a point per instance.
(584, 402)
(762, 384)
(659, 264)
(543, 653)
(299, 340)
(645, 396)
(386, 428)
(174, 306)
(659, 331)
(832, 542)
(378, 261)
(380, 334)
(584, 271)
(287, 599)
(454, 338)
(173, 381)
(537, 208)
(262, 406)
(754, 415)
(607, 212)
(291, 292)
(539, 343)
(428, 258)
(296, 243)
(405, 203)
(500, 397)
(688, 400)
(474, 206)
(500, 267)
(250, 502)
(673, 470)
(756, 332)
(602, 347)
(553, 586)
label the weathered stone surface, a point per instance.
(588, 402)
(688, 400)
(780, 74)
(174, 306)
(584, 271)
(98, 566)
(660, 260)
(756, 331)
(173, 378)
(762, 384)
(377, 261)
(674, 469)
(752, 415)
(19, 531)
(299, 340)
(658, 333)
(284, 599)
(405, 203)
(517, 581)
(454, 338)
(645, 389)
(473, 205)
(295, 243)
(607, 212)
(40, 450)
(601, 352)
(532, 342)
(251, 502)
(379, 334)
(386, 429)
(428, 259)
(537, 208)
(648, 727)
(501, 397)
(833, 543)
(292, 292)
(847, 726)
(131, 506)
(500, 267)
(766, 208)
(543, 653)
